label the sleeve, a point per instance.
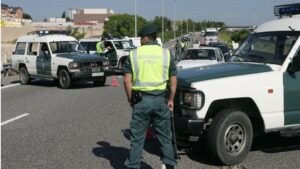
(127, 66)
(172, 69)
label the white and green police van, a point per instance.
(257, 91)
(58, 57)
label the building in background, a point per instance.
(89, 16)
(11, 16)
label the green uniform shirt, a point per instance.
(172, 69)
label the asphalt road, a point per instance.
(86, 127)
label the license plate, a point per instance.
(98, 74)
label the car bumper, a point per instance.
(187, 129)
(88, 76)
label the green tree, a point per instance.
(167, 23)
(26, 16)
(123, 25)
(240, 36)
(63, 15)
(75, 33)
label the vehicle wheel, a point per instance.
(24, 76)
(100, 82)
(64, 80)
(229, 137)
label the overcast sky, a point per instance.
(232, 12)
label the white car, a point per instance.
(121, 46)
(57, 57)
(202, 56)
(260, 93)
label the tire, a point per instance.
(64, 80)
(100, 82)
(24, 76)
(230, 136)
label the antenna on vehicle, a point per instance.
(291, 28)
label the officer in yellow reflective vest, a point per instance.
(150, 84)
(100, 47)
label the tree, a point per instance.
(63, 15)
(240, 36)
(75, 33)
(123, 25)
(167, 23)
(26, 16)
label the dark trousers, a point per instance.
(154, 109)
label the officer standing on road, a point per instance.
(147, 72)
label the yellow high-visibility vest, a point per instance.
(100, 47)
(150, 67)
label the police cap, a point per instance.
(148, 30)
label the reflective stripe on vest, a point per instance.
(153, 59)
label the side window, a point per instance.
(20, 48)
(219, 55)
(44, 50)
(288, 44)
(32, 49)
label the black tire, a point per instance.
(24, 76)
(230, 136)
(100, 82)
(64, 79)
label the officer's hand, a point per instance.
(171, 105)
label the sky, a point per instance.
(231, 12)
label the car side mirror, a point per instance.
(294, 65)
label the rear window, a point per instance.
(20, 48)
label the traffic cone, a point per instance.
(114, 82)
(149, 133)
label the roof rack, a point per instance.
(49, 32)
(287, 10)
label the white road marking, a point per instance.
(4, 87)
(13, 119)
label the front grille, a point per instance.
(90, 66)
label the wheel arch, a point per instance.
(247, 105)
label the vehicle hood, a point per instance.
(183, 64)
(81, 57)
(188, 76)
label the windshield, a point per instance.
(89, 46)
(265, 48)
(199, 54)
(123, 45)
(211, 34)
(65, 47)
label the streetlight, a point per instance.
(162, 22)
(135, 20)
(174, 24)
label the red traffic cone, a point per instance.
(114, 82)
(149, 133)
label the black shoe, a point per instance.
(169, 166)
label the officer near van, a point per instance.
(148, 71)
(100, 47)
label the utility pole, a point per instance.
(174, 23)
(135, 20)
(162, 21)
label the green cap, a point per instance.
(148, 30)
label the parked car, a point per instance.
(121, 46)
(201, 56)
(223, 47)
(57, 57)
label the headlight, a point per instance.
(105, 63)
(192, 99)
(73, 65)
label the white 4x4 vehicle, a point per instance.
(57, 57)
(259, 92)
(121, 46)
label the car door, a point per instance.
(32, 51)
(292, 96)
(43, 61)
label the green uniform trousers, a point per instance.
(151, 109)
